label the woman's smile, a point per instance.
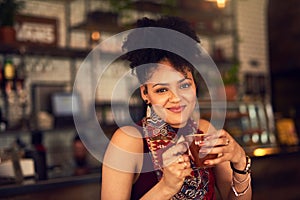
(176, 109)
(171, 93)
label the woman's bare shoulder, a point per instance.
(128, 138)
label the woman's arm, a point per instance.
(225, 177)
(122, 159)
(231, 185)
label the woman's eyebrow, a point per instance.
(160, 84)
(165, 84)
(180, 81)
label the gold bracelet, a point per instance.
(237, 194)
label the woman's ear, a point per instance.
(144, 92)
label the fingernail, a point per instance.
(192, 174)
(203, 151)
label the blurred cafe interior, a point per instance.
(43, 44)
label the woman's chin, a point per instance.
(176, 123)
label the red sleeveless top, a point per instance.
(148, 180)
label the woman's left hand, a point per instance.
(224, 145)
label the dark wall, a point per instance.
(284, 49)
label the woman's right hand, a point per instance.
(176, 167)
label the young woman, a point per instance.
(168, 88)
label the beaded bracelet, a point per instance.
(247, 167)
(237, 194)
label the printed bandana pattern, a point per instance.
(160, 136)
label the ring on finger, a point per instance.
(180, 159)
(220, 155)
(185, 165)
(227, 142)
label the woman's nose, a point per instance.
(174, 96)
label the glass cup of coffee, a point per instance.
(196, 142)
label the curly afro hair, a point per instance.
(149, 55)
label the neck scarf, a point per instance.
(160, 136)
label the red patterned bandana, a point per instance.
(160, 136)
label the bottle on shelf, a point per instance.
(12, 110)
(8, 75)
(3, 122)
(1, 77)
(3, 102)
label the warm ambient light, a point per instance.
(220, 3)
(265, 151)
(95, 36)
(259, 152)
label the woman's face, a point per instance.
(171, 93)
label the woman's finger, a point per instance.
(170, 155)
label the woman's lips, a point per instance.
(176, 109)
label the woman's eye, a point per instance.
(161, 90)
(185, 85)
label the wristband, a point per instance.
(247, 168)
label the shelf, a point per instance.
(20, 49)
(100, 21)
(248, 122)
(17, 132)
(229, 115)
(153, 7)
(34, 187)
(189, 10)
(203, 22)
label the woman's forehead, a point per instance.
(166, 73)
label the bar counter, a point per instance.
(274, 176)
(277, 175)
(73, 187)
